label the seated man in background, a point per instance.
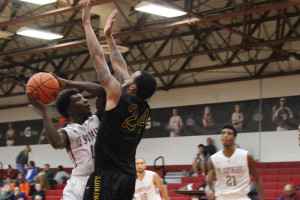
(30, 174)
(49, 173)
(148, 183)
(39, 192)
(200, 162)
(61, 175)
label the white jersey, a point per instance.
(82, 141)
(145, 188)
(233, 178)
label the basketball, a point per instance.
(46, 86)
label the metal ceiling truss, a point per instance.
(228, 37)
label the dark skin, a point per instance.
(111, 85)
(228, 140)
(78, 110)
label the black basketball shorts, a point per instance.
(110, 185)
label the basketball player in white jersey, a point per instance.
(79, 137)
(148, 183)
(232, 168)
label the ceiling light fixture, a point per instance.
(157, 9)
(38, 33)
(40, 2)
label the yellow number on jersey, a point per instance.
(131, 122)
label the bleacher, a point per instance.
(274, 176)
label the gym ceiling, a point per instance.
(233, 40)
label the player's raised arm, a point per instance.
(92, 88)
(57, 139)
(257, 180)
(118, 63)
(108, 82)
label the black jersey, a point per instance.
(120, 132)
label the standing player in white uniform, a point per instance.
(148, 183)
(232, 168)
(79, 137)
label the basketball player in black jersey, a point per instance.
(123, 121)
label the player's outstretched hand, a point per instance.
(110, 22)
(86, 12)
(62, 82)
(210, 194)
(33, 99)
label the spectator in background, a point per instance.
(23, 185)
(22, 159)
(282, 115)
(7, 194)
(237, 118)
(10, 135)
(7, 182)
(38, 197)
(289, 193)
(200, 162)
(210, 148)
(30, 174)
(207, 119)
(175, 124)
(43, 180)
(38, 172)
(38, 192)
(11, 173)
(19, 194)
(61, 175)
(49, 173)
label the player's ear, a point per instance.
(133, 87)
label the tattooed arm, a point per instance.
(118, 63)
(108, 82)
